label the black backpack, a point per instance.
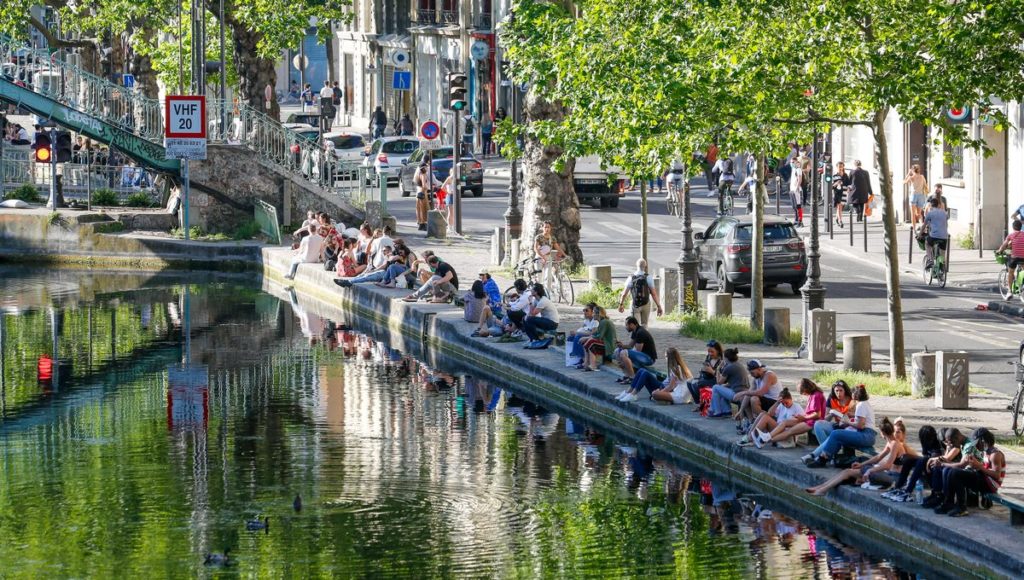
(727, 166)
(640, 291)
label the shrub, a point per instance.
(727, 330)
(105, 196)
(246, 231)
(139, 199)
(25, 192)
(601, 294)
(965, 241)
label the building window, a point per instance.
(953, 161)
(426, 12)
(450, 12)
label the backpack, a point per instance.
(727, 165)
(640, 292)
(704, 405)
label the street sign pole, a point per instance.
(52, 203)
(455, 178)
(184, 196)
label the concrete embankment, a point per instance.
(96, 239)
(959, 547)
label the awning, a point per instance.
(403, 41)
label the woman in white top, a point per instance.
(543, 317)
(862, 473)
(858, 433)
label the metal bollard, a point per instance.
(910, 247)
(851, 222)
(865, 222)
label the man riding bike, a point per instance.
(726, 178)
(676, 176)
(1015, 242)
(936, 224)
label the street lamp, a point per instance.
(687, 259)
(513, 217)
(813, 292)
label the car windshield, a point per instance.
(400, 146)
(772, 232)
(347, 141)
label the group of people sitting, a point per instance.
(527, 310)
(364, 255)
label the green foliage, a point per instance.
(139, 199)
(246, 231)
(105, 197)
(726, 330)
(876, 383)
(53, 219)
(965, 241)
(111, 227)
(26, 192)
(602, 295)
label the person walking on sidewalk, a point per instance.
(860, 189)
(378, 122)
(919, 190)
(796, 190)
(640, 287)
(425, 183)
(840, 185)
(936, 225)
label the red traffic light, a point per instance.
(42, 155)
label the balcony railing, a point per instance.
(483, 22)
(450, 16)
(426, 16)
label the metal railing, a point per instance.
(450, 16)
(113, 185)
(483, 21)
(426, 16)
(228, 122)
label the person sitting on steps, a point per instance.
(670, 390)
(784, 431)
(731, 380)
(543, 317)
(443, 283)
(858, 433)
(640, 351)
(980, 475)
(600, 343)
(764, 395)
(785, 409)
(866, 472)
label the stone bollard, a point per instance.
(514, 252)
(776, 325)
(437, 227)
(372, 214)
(668, 292)
(857, 352)
(952, 379)
(922, 374)
(600, 275)
(498, 245)
(821, 341)
(719, 304)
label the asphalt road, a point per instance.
(934, 318)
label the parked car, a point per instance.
(305, 131)
(471, 174)
(387, 155)
(308, 118)
(596, 184)
(725, 253)
(347, 146)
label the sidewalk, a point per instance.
(776, 471)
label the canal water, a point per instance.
(146, 422)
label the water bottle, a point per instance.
(919, 493)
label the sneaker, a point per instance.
(889, 494)
(630, 398)
(624, 380)
(932, 501)
(765, 436)
(818, 463)
(758, 440)
(621, 395)
(807, 458)
(870, 486)
(944, 509)
(905, 498)
(785, 444)
(957, 512)
(746, 442)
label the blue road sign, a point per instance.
(129, 81)
(402, 81)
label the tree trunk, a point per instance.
(548, 194)
(760, 196)
(254, 71)
(141, 65)
(897, 365)
(644, 235)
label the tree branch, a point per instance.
(55, 42)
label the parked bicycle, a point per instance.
(1016, 406)
(555, 280)
(1007, 288)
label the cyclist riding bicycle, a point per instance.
(676, 176)
(1015, 243)
(936, 225)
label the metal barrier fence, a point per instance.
(108, 185)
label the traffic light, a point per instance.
(42, 147)
(457, 91)
(63, 148)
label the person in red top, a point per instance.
(1015, 242)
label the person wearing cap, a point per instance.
(492, 290)
(763, 396)
(640, 351)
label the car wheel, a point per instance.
(478, 192)
(595, 203)
(614, 202)
(724, 285)
(604, 202)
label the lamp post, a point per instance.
(687, 259)
(513, 217)
(812, 291)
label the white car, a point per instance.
(387, 155)
(348, 147)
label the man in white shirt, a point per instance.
(640, 287)
(308, 251)
(327, 92)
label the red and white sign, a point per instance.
(185, 127)
(188, 398)
(430, 130)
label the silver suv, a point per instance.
(725, 253)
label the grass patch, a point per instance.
(877, 383)
(726, 330)
(25, 192)
(246, 231)
(602, 295)
(108, 228)
(1010, 441)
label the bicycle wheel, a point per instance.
(941, 274)
(1018, 409)
(566, 295)
(1004, 286)
(928, 273)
